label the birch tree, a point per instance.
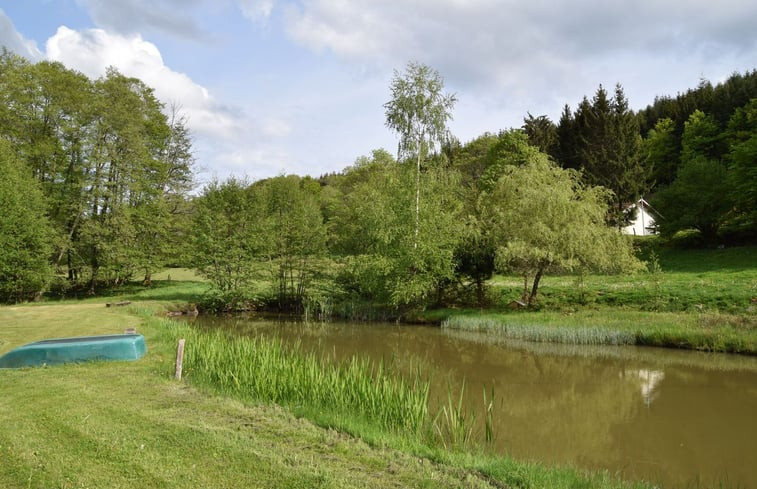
(418, 111)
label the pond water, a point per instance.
(676, 418)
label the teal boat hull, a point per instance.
(75, 350)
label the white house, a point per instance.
(643, 224)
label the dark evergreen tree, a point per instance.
(610, 151)
(742, 165)
(567, 140)
(541, 133)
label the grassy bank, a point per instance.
(130, 425)
(613, 326)
(692, 299)
(704, 280)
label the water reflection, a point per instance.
(667, 416)
(649, 380)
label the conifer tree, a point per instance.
(610, 150)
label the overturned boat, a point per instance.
(75, 350)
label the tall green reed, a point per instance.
(267, 370)
(541, 333)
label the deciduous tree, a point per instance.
(25, 232)
(418, 111)
(545, 220)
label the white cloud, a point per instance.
(11, 39)
(227, 141)
(92, 51)
(531, 50)
(256, 10)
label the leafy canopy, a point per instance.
(546, 221)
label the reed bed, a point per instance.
(265, 370)
(541, 333)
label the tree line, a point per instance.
(99, 180)
(96, 175)
(693, 156)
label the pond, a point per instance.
(677, 418)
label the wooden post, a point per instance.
(179, 358)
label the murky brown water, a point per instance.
(672, 417)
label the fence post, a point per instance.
(179, 358)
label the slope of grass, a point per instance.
(709, 280)
(127, 424)
(696, 299)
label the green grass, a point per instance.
(612, 326)
(697, 299)
(712, 280)
(259, 369)
(128, 424)
(179, 275)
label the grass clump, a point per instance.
(510, 328)
(711, 332)
(266, 370)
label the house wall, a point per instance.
(639, 227)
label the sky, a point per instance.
(274, 87)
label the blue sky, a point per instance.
(297, 86)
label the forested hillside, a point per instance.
(693, 155)
(99, 176)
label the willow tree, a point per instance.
(418, 111)
(547, 221)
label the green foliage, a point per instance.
(742, 160)
(720, 100)
(661, 150)
(512, 148)
(226, 237)
(601, 138)
(25, 232)
(701, 138)
(711, 123)
(699, 198)
(541, 132)
(268, 232)
(453, 425)
(265, 370)
(418, 111)
(545, 221)
(373, 225)
(295, 235)
(111, 165)
(611, 153)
